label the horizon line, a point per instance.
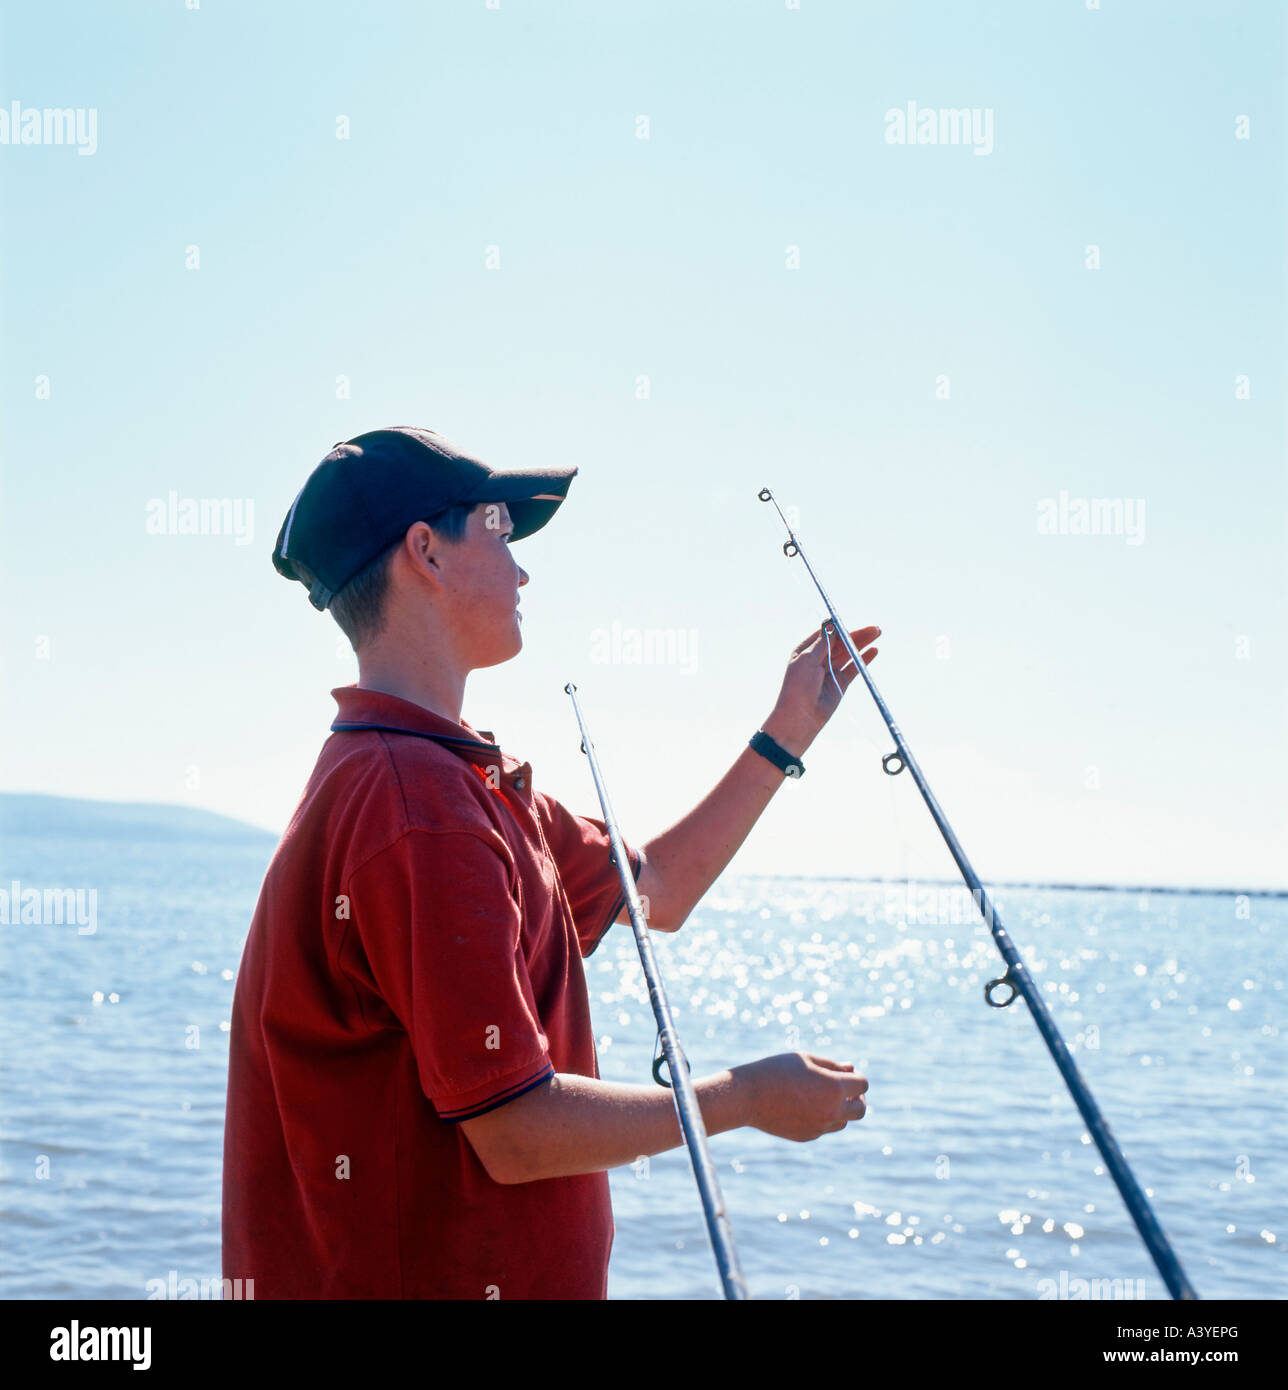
(1052, 886)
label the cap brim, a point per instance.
(531, 497)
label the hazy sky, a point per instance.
(678, 246)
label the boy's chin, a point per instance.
(501, 654)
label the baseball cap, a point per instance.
(368, 490)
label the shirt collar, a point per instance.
(374, 709)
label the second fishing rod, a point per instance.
(1017, 979)
(687, 1110)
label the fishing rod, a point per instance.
(1017, 978)
(686, 1099)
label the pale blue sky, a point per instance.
(182, 668)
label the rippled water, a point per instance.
(971, 1175)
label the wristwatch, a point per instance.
(777, 754)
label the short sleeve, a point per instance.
(439, 920)
(581, 850)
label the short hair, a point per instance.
(359, 607)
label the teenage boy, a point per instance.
(414, 1107)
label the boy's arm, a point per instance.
(578, 1124)
(684, 861)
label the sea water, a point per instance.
(971, 1176)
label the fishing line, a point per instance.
(1016, 979)
(686, 1100)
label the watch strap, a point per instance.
(788, 765)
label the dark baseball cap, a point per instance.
(368, 490)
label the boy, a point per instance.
(414, 1107)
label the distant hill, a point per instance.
(33, 813)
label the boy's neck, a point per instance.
(435, 688)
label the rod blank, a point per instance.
(686, 1100)
(1017, 977)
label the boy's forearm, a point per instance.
(577, 1124)
(691, 855)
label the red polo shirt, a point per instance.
(414, 960)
